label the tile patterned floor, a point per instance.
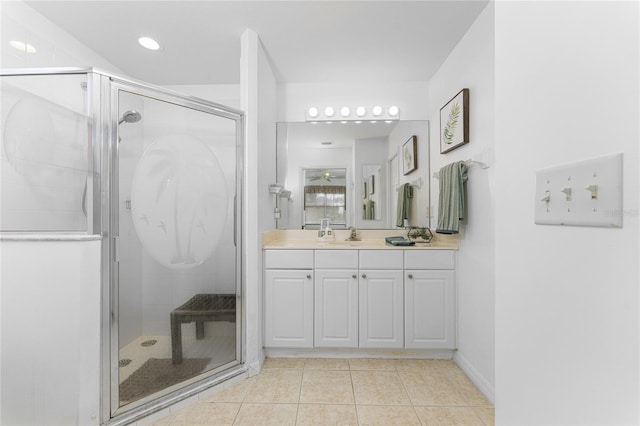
(344, 392)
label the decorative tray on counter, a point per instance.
(419, 234)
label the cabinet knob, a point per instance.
(410, 276)
(308, 276)
(364, 275)
(354, 276)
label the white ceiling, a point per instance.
(306, 41)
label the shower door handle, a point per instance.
(235, 222)
(116, 249)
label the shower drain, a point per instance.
(149, 342)
(124, 362)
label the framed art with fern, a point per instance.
(454, 122)
(410, 155)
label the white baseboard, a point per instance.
(474, 375)
(256, 366)
(359, 353)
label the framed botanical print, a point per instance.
(410, 155)
(454, 122)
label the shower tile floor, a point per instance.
(343, 392)
(220, 350)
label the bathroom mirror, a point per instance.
(367, 155)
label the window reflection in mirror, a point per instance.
(325, 197)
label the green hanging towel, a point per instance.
(451, 198)
(405, 194)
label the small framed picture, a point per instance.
(454, 122)
(409, 155)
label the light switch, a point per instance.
(561, 199)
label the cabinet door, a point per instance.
(336, 308)
(288, 308)
(381, 309)
(430, 309)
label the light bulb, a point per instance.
(328, 111)
(313, 112)
(149, 43)
(377, 110)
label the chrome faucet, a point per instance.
(354, 235)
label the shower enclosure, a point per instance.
(155, 175)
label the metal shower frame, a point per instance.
(102, 222)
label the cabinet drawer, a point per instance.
(336, 259)
(429, 259)
(381, 259)
(288, 259)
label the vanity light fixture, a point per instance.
(352, 114)
(149, 43)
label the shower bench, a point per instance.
(200, 308)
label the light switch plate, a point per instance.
(586, 193)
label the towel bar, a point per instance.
(467, 163)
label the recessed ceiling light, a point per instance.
(22, 46)
(313, 112)
(149, 43)
(377, 110)
(328, 111)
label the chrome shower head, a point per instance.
(130, 116)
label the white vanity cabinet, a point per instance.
(336, 299)
(288, 298)
(360, 298)
(381, 302)
(429, 283)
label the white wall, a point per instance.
(258, 100)
(50, 335)
(567, 299)
(470, 65)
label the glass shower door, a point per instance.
(176, 265)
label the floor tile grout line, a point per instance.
(404, 386)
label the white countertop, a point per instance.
(370, 240)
